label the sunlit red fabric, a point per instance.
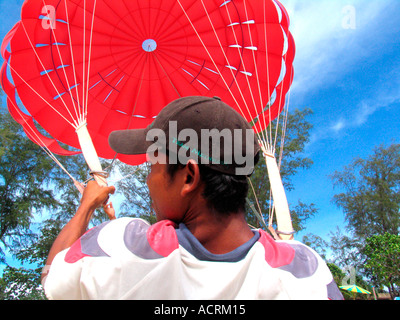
(132, 79)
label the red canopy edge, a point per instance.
(22, 118)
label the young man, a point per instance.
(201, 152)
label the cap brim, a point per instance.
(129, 141)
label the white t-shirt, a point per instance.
(129, 259)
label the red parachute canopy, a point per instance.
(116, 64)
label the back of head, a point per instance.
(208, 131)
(224, 193)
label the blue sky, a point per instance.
(347, 69)
(348, 74)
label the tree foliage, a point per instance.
(371, 197)
(317, 243)
(371, 203)
(24, 283)
(24, 181)
(32, 188)
(383, 260)
(346, 249)
(21, 284)
(137, 201)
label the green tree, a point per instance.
(137, 201)
(31, 186)
(371, 203)
(25, 283)
(371, 197)
(345, 249)
(383, 260)
(24, 178)
(337, 273)
(317, 243)
(338, 276)
(20, 284)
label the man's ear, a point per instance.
(192, 177)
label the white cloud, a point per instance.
(369, 107)
(326, 48)
(328, 53)
(338, 126)
(365, 109)
(361, 114)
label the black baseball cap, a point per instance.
(202, 128)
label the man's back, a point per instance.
(129, 259)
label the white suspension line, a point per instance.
(84, 55)
(271, 211)
(265, 141)
(226, 58)
(255, 66)
(276, 128)
(268, 74)
(65, 73)
(72, 56)
(279, 113)
(241, 57)
(89, 59)
(51, 81)
(281, 98)
(267, 66)
(38, 94)
(284, 121)
(211, 58)
(42, 144)
(257, 202)
(271, 208)
(125, 177)
(285, 124)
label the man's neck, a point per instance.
(220, 233)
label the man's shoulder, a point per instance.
(300, 267)
(292, 256)
(151, 241)
(123, 235)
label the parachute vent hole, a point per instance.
(149, 45)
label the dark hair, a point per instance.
(224, 193)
